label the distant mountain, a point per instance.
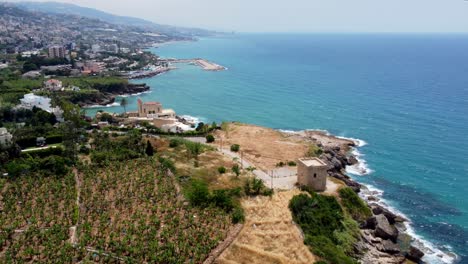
(64, 8)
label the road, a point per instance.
(286, 183)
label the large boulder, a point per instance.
(351, 160)
(384, 230)
(414, 254)
(391, 217)
(371, 223)
(337, 165)
(350, 183)
(390, 247)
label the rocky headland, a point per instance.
(383, 236)
(107, 98)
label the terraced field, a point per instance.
(269, 235)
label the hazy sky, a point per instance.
(297, 15)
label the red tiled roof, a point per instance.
(53, 81)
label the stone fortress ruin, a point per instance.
(312, 172)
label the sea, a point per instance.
(402, 97)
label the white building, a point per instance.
(5, 137)
(31, 100)
(95, 48)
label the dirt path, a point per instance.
(269, 235)
(73, 234)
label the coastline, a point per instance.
(348, 152)
(108, 99)
(356, 171)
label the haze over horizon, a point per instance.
(423, 16)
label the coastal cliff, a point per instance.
(108, 97)
(383, 235)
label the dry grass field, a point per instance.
(269, 235)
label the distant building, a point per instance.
(32, 74)
(31, 100)
(95, 48)
(71, 46)
(53, 85)
(149, 109)
(40, 141)
(28, 54)
(56, 52)
(312, 172)
(155, 113)
(114, 48)
(5, 137)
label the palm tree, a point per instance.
(124, 104)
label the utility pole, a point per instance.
(242, 164)
(271, 177)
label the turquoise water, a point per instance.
(405, 95)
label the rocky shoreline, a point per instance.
(105, 99)
(383, 237)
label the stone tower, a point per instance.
(312, 172)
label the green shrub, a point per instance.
(54, 139)
(210, 139)
(328, 232)
(166, 164)
(173, 143)
(235, 147)
(198, 193)
(314, 151)
(222, 199)
(354, 205)
(83, 150)
(291, 163)
(323, 247)
(348, 237)
(236, 169)
(222, 170)
(280, 164)
(255, 186)
(238, 215)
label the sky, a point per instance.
(296, 15)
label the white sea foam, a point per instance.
(101, 106)
(133, 94)
(194, 119)
(361, 168)
(288, 131)
(358, 142)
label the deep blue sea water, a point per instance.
(405, 95)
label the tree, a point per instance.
(106, 117)
(210, 139)
(236, 169)
(200, 126)
(149, 149)
(235, 147)
(124, 104)
(29, 67)
(222, 170)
